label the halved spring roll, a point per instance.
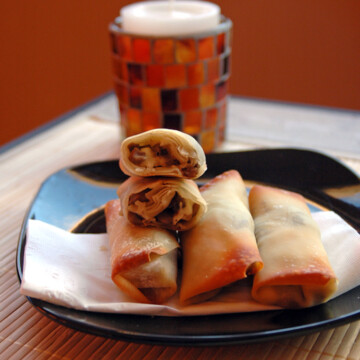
(296, 272)
(143, 260)
(170, 203)
(162, 152)
(222, 248)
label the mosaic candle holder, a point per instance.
(172, 82)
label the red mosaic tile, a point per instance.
(213, 69)
(135, 97)
(124, 47)
(136, 75)
(189, 98)
(207, 95)
(206, 47)
(120, 68)
(211, 118)
(220, 43)
(155, 75)
(141, 50)
(175, 76)
(163, 51)
(185, 51)
(151, 99)
(196, 74)
(151, 120)
(192, 122)
(221, 90)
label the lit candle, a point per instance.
(162, 18)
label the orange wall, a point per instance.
(55, 55)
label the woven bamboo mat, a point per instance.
(27, 334)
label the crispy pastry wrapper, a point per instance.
(162, 152)
(222, 248)
(296, 272)
(143, 260)
(170, 203)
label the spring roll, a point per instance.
(143, 260)
(170, 203)
(222, 248)
(162, 152)
(296, 272)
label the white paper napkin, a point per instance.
(73, 270)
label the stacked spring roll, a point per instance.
(159, 198)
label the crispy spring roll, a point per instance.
(170, 203)
(296, 272)
(162, 152)
(143, 260)
(222, 248)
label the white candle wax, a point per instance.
(162, 18)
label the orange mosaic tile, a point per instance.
(208, 141)
(151, 99)
(124, 47)
(211, 118)
(163, 51)
(141, 50)
(175, 76)
(206, 48)
(213, 69)
(189, 98)
(185, 51)
(207, 95)
(192, 122)
(133, 122)
(220, 43)
(151, 120)
(155, 75)
(196, 74)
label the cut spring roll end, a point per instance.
(162, 152)
(169, 203)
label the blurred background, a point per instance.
(55, 55)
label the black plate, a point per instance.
(72, 199)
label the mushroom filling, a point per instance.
(156, 156)
(178, 210)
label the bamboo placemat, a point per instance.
(27, 334)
